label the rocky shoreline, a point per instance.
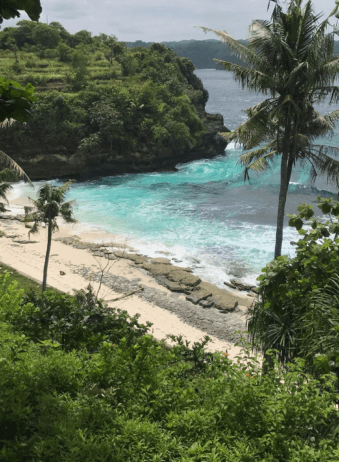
(215, 311)
(218, 312)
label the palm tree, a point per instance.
(49, 205)
(290, 59)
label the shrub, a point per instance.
(17, 68)
(135, 400)
(290, 289)
(103, 63)
(76, 322)
(31, 61)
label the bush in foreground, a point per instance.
(298, 313)
(134, 400)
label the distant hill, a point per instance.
(202, 52)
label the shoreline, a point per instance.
(169, 310)
(210, 267)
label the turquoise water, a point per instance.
(203, 211)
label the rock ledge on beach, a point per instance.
(174, 278)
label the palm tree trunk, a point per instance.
(281, 204)
(285, 176)
(49, 242)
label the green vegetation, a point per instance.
(290, 59)
(49, 205)
(298, 313)
(83, 382)
(24, 282)
(94, 94)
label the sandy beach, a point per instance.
(72, 268)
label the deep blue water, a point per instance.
(205, 210)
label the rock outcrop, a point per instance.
(142, 159)
(174, 278)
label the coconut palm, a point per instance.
(49, 205)
(289, 59)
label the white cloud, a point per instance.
(158, 20)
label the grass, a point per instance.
(24, 282)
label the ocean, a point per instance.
(204, 214)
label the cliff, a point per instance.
(143, 158)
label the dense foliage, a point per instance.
(110, 99)
(298, 313)
(81, 382)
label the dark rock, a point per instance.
(173, 273)
(62, 273)
(242, 285)
(165, 261)
(138, 259)
(206, 303)
(173, 286)
(229, 285)
(224, 304)
(197, 297)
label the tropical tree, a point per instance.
(49, 205)
(15, 101)
(289, 59)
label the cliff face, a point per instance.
(145, 158)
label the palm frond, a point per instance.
(67, 212)
(14, 166)
(45, 192)
(65, 187)
(261, 164)
(252, 79)
(4, 187)
(332, 117)
(7, 175)
(320, 93)
(323, 122)
(325, 164)
(248, 157)
(34, 229)
(257, 129)
(307, 28)
(3, 208)
(240, 50)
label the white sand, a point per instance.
(29, 260)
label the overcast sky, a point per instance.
(158, 20)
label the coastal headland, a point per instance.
(172, 298)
